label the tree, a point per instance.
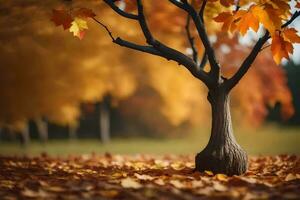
(222, 154)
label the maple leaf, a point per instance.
(228, 19)
(282, 7)
(268, 16)
(290, 34)
(280, 48)
(61, 17)
(298, 5)
(78, 27)
(247, 20)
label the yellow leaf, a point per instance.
(78, 27)
(210, 173)
(177, 184)
(130, 183)
(143, 177)
(221, 177)
(290, 177)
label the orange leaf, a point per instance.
(290, 35)
(247, 20)
(268, 16)
(227, 18)
(280, 48)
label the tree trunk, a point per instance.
(73, 131)
(25, 136)
(105, 120)
(222, 153)
(42, 128)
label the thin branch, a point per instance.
(156, 47)
(142, 20)
(294, 16)
(130, 45)
(233, 81)
(203, 61)
(106, 28)
(119, 11)
(215, 68)
(191, 39)
(201, 12)
(265, 47)
(237, 5)
(169, 53)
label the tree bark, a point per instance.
(222, 153)
(105, 120)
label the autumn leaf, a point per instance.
(265, 172)
(298, 5)
(290, 34)
(247, 20)
(130, 183)
(268, 16)
(228, 20)
(78, 27)
(62, 17)
(221, 177)
(280, 48)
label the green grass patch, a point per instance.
(269, 140)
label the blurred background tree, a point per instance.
(47, 76)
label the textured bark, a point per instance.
(222, 153)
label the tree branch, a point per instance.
(191, 39)
(169, 53)
(156, 47)
(233, 81)
(203, 61)
(215, 68)
(119, 11)
(201, 12)
(294, 16)
(130, 45)
(229, 84)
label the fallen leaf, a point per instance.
(130, 183)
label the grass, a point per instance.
(268, 140)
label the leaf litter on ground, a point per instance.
(144, 177)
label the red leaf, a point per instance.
(62, 17)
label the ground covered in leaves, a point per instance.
(144, 177)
